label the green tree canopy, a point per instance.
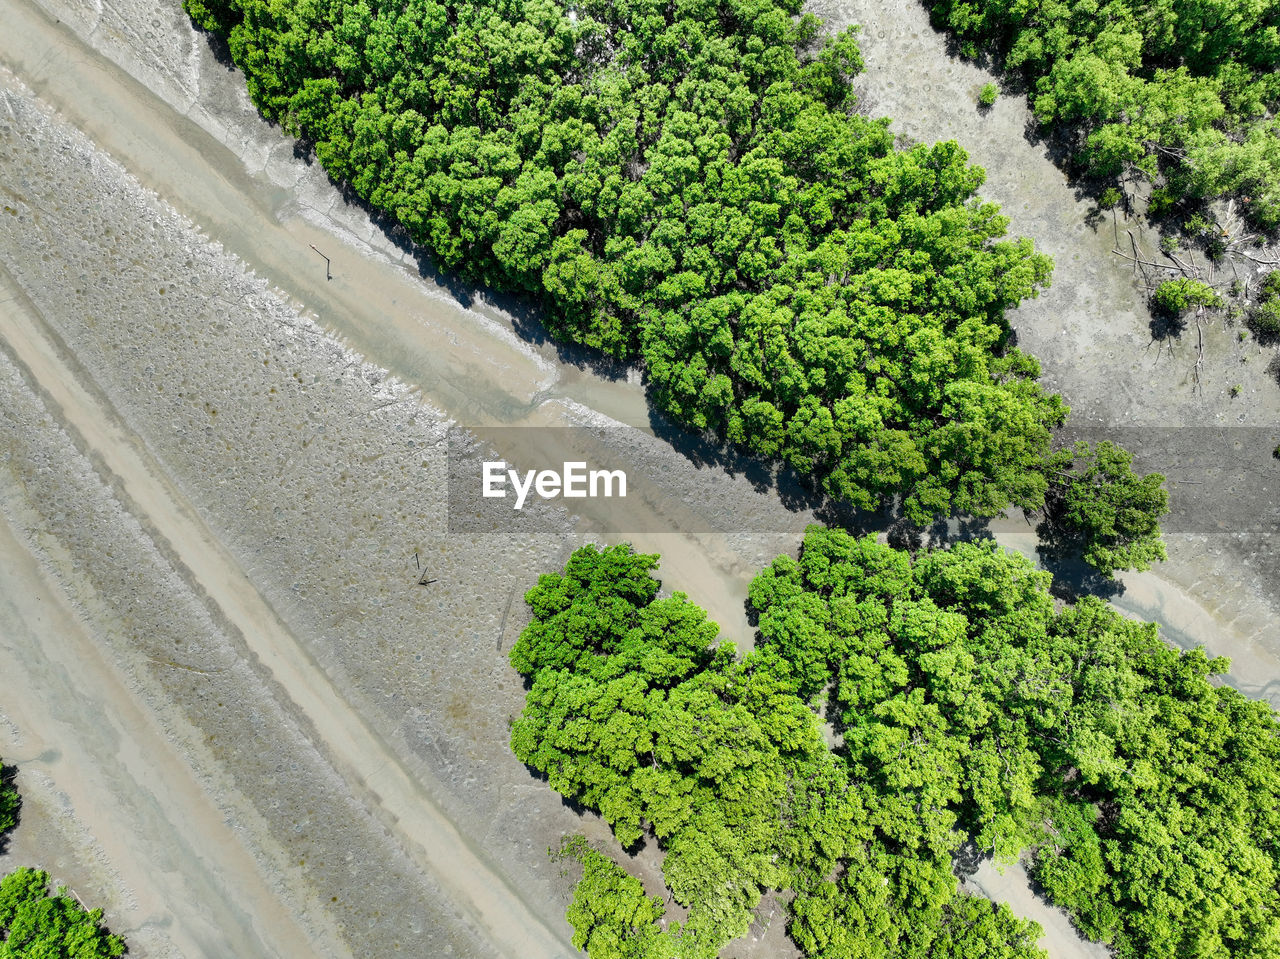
(1179, 296)
(1111, 514)
(687, 184)
(966, 706)
(723, 762)
(36, 925)
(1183, 91)
(1149, 793)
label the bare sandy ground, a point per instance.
(360, 754)
(145, 842)
(1013, 886)
(311, 478)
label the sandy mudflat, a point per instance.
(225, 465)
(110, 807)
(311, 790)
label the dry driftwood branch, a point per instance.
(1199, 353)
(1137, 260)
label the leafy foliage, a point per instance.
(723, 762)
(1183, 91)
(971, 706)
(1266, 312)
(36, 925)
(1109, 512)
(1178, 296)
(968, 707)
(610, 913)
(10, 801)
(686, 183)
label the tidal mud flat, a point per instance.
(316, 477)
(201, 648)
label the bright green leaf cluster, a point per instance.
(971, 706)
(1185, 91)
(1106, 510)
(1179, 296)
(36, 925)
(724, 763)
(1265, 318)
(610, 913)
(687, 184)
(967, 706)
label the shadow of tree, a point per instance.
(1166, 325)
(966, 860)
(10, 805)
(1060, 549)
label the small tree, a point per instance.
(33, 923)
(987, 96)
(1265, 318)
(1177, 297)
(1111, 513)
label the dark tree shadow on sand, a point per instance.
(10, 805)
(1061, 550)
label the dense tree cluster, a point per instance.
(1150, 793)
(633, 712)
(966, 706)
(686, 183)
(1185, 91)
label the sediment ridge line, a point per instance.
(41, 633)
(489, 371)
(427, 833)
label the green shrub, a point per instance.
(1178, 296)
(987, 95)
(1265, 318)
(1269, 289)
(36, 924)
(1112, 513)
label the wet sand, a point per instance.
(147, 844)
(361, 756)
